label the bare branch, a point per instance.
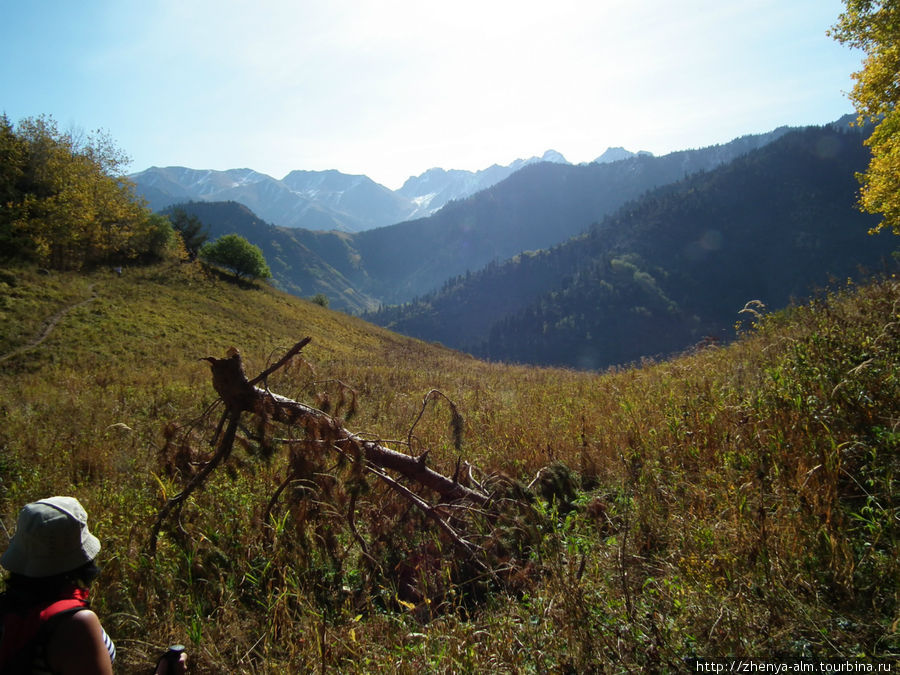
(431, 512)
(456, 420)
(240, 395)
(291, 353)
(237, 392)
(175, 503)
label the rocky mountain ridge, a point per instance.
(323, 200)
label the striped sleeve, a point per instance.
(110, 647)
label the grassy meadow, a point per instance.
(738, 500)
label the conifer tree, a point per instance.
(192, 230)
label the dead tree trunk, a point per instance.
(241, 395)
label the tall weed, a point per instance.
(740, 500)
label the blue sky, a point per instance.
(390, 88)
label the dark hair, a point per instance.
(44, 588)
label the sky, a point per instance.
(391, 88)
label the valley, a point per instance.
(662, 425)
(727, 478)
(602, 264)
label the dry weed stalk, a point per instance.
(325, 433)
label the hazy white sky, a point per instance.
(390, 88)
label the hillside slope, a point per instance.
(739, 501)
(671, 268)
(295, 267)
(537, 207)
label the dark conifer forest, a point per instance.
(672, 268)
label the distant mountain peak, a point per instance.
(435, 187)
(616, 154)
(554, 156)
(324, 200)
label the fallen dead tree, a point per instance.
(480, 518)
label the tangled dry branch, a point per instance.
(242, 395)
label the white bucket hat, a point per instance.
(51, 537)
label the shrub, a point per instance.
(238, 256)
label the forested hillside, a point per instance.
(537, 207)
(672, 268)
(295, 267)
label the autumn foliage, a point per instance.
(64, 202)
(874, 27)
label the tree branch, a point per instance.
(240, 395)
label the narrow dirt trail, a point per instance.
(48, 327)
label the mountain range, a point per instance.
(334, 201)
(595, 264)
(538, 206)
(670, 269)
(327, 200)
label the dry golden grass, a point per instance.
(737, 501)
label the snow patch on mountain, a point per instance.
(324, 199)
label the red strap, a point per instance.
(19, 630)
(78, 599)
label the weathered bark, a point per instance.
(240, 395)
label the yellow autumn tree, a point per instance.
(874, 27)
(66, 201)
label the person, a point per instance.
(48, 626)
